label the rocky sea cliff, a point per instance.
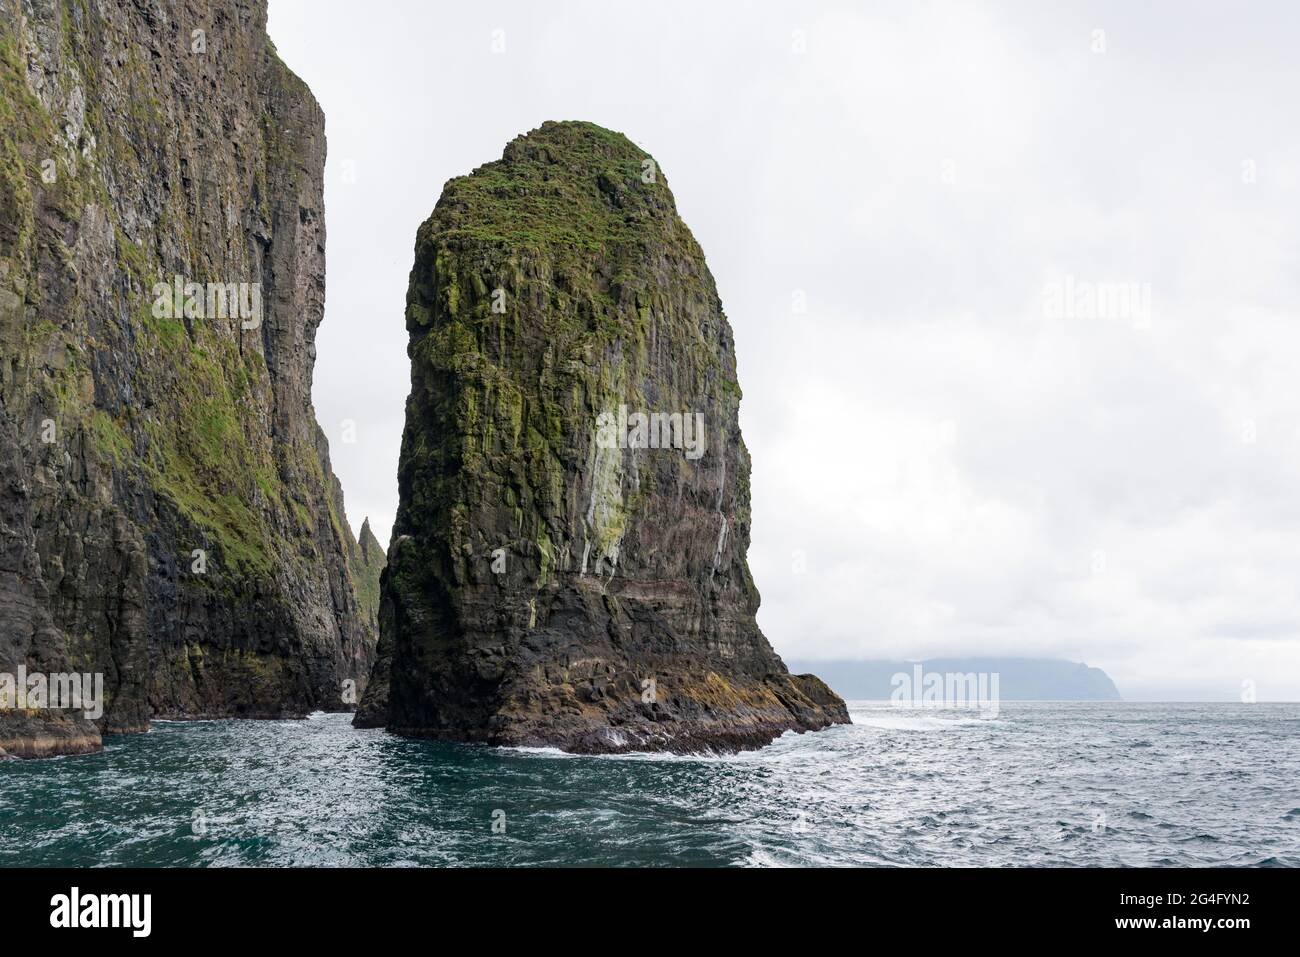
(168, 515)
(568, 565)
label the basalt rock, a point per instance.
(562, 572)
(168, 515)
(368, 562)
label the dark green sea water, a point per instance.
(1086, 784)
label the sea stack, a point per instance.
(168, 517)
(568, 564)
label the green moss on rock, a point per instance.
(536, 578)
(118, 170)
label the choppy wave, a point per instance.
(1047, 784)
(911, 719)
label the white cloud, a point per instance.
(948, 459)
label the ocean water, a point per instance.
(1040, 784)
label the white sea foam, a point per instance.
(549, 752)
(901, 719)
(921, 788)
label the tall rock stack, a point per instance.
(168, 515)
(568, 561)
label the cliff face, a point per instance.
(556, 575)
(367, 563)
(168, 515)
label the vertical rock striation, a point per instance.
(368, 562)
(168, 515)
(553, 577)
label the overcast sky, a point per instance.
(957, 448)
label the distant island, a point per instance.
(1020, 679)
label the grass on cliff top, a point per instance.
(571, 183)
